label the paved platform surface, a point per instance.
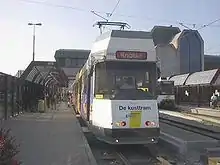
(185, 141)
(52, 138)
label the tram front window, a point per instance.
(125, 77)
(125, 82)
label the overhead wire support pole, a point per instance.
(34, 24)
(34, 43)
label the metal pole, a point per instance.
(34, 43)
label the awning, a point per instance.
(202, 78)
(179, 80)
(44, 73)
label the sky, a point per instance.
(68, 24)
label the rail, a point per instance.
(126, 154)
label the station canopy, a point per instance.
(208, 77)
(179, 80)
(45, 73)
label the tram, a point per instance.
(115, 91)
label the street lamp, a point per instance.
(34, 24)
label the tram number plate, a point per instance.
(135, 119)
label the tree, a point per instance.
(8, 148)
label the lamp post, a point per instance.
(34, 24)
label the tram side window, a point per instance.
(61, 62)
(102, 81)
(84, 85)
(1, 96)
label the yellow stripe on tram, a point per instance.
(144, 89)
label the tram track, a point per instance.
(192, 155)
(106, 154)
(137, 155)
(142, 155)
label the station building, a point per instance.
(71, 60)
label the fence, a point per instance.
(17, 96)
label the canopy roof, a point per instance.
(45, 73)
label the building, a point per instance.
(71, 60)
(178, 51)
(19, 73)
(162, 35)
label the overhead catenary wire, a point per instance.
(202, 26)
(53, 5)
(114, 8)
(103, 12)
(110, 14)
(207, 25)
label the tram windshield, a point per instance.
(125, 76)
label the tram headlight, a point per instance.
(150, 123)
(123, 123)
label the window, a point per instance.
(147, 77)
(61, 62)
(126, 77)
(125, 82)
(81, 62)
(77, 62)
(102, 85)
(68, 62)
(2, 96)
(74, 62)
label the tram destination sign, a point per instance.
(131, 55)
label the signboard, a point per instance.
(131, 55)
(134, 108)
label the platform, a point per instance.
(206, 111)
(52, 138)
(183, 141)
(200, 110)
